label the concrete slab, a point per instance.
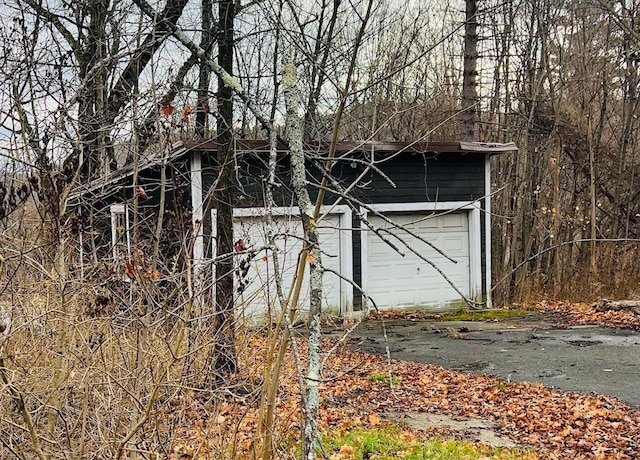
(582, 359)
(482, 431)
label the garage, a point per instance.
(406, 280)
(439, 190)
(256, 287)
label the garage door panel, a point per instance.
(454, 220)
(455, 245)
(432, 221)
(260, 294)
(453, 248)
(394, 280)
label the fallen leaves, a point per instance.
(562, 313)
(346, 452)
(562, 424)
(166, 108)
(374, 419)
(581, 313)
(555, 424)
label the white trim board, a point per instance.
(114, 209)
(344, 214)
(487, 228)
(195, 170)
(473, 211)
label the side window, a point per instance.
(120, 232)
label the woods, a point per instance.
(571, 187)
(121, 289)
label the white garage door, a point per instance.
(258, 298)
(397, 281)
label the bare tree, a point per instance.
(469, 90)
(225, 356)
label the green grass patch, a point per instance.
(392, 442)
(383, 377)
(485, 315)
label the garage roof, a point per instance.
(181, 148)
(247, 145)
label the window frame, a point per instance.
(121, 247)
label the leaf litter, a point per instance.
(552, 423)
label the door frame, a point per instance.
(471, 209)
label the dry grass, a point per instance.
(89, 375)
(86, 381)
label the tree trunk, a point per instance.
(592, 195)
(617, 305)
(318, 75)
(299, 184)
(91, 101)
(469, 114)
(225, 362)
(202, 104)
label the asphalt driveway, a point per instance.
(534, 349)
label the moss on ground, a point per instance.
(393, 442)
(485, 315)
